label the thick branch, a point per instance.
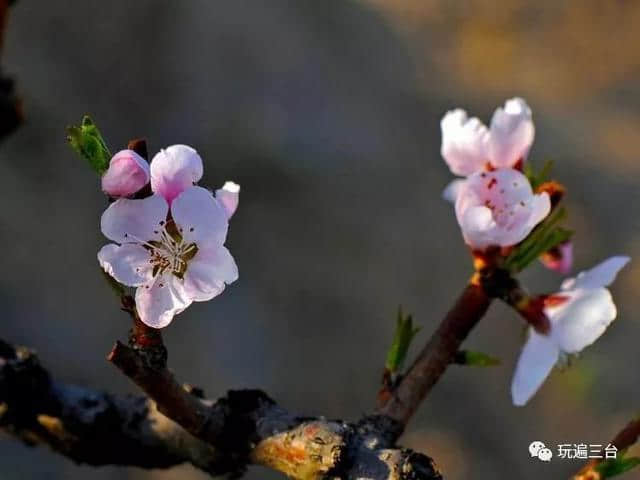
(88, 426)
(249, 427)
(243, 427)
(437, 355)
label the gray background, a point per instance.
(327, 113)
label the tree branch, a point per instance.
(10, 105)
(624, 439)
(219, 437)
(437, 354)
(88, 426)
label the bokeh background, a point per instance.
(327, 113)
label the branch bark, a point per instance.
(176, 426)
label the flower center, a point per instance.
(170, 253)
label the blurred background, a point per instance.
(327, 113)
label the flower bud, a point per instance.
(128, 172)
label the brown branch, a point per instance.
(624, 439)
(219, 437)
(11, 115)
(438, 353)
(249, 427)
(89, 426)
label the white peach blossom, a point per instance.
(579, 314)
(498, 208)
(468, 146)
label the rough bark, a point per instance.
(175, 426)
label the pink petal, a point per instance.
(128, 172)
(174, 169)
(465, 143)
(158, 301)
(229, 196)
(208, 272)
(512, 133)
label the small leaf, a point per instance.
(616, 466)
(476, 359)
(543, 238)
(404, 334)
(537, 179)
(87, 141)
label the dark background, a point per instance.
(327, 113)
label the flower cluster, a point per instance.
(170, 245)
(497, 206)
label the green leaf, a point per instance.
(476, 359)
(87, 141)
(616, 466)
(543, 238)
(404, 334)
(537, 179)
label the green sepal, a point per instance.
(543, 238)
(404, 334)
(538, 178)
(87, 141)
(617, 466)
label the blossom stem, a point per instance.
(438, 353)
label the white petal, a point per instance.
(161, 299)
(208, 272)
(174, 169)
(582, 319)
(505, 194)
(512, 133)
(128, 263)
(200, 217)
(478, 227)
(451, 191)
(229, 196)
(601, 275)
(537, 358)
(464, 143)
(131, 221)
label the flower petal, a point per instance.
(128, 172)
(450, 193)
(582, 319)
(464, 143)
(158, 301)
(208, 272)
(537, 358)
(228, 196)
(512, 133)
(506, 194)
(134, 221)
(200, 217)
(601, 275)
(174, 169)
(128, 263)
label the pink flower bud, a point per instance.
(128, 172)
(559, 259)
